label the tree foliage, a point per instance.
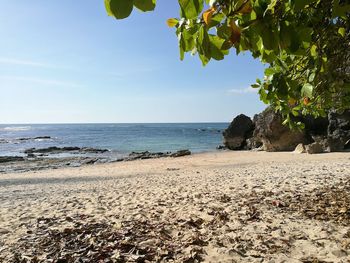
(304, 43)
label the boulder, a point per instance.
(300, 148)
(338, 132)
(240, 129)
(274, 135)
(56, 150)
(314, 148)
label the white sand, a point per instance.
(235, 197)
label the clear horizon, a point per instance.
(88, 123)
(90, 68)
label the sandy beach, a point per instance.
(211, 207)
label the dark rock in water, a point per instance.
(149, 155)
(240, 129)
(338, 132)
(35, 138)
(274, 135)
(93, 150)
(53, 149)
(181, 153)
(31, 155)
(56, 150)
(7, 159)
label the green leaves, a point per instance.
(342, 31)
(203, 45)
(300, 4)
(145, 5)
(191, 8)
(121, 9)
(307, 90)
(303, 43)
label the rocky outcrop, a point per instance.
(7, 159)
(180, 153)
(149, 155)
(338, 132)
(274, 135)
(236, 135)
(266, 131)
(57, 150)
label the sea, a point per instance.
(119, 139)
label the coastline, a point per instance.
(221, 206)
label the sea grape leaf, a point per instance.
(191, 8)
(307, 90)
(145, 5)
(119, 8)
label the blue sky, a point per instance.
(67, 61)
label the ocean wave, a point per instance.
(16, 128)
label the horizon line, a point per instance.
(60, 123)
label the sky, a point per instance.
(68, 62)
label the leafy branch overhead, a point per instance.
(305, 44)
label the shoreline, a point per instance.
(58, 158)
(210, 207)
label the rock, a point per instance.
(7, 159)
(181, 153)
(314, 148)
(338, 132)
(253, 143)
(274, 135)
(315, 127)
(31, 155)
(56, 150)
(221, 147)
(300, 148)
(93, 150)
(347, 145)
(91, 161)
(240, 129)
(149, 155)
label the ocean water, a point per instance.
(120, 139)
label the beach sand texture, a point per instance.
(211, 207)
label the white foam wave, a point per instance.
(16, 128)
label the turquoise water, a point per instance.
(120, 139)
